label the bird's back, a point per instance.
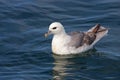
(89, 38)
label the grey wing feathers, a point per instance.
(91, 35)
(76, 39)
(89, 38)
(80, 38)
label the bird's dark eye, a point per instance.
(54, 27)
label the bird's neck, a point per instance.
(61, 35)
(59, 41)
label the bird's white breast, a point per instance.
(59, 44)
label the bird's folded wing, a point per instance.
(76, 39)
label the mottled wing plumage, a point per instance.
(97, 27)
(76, 39)
(90, 37)
(80, 38)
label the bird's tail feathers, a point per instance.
(100, 32)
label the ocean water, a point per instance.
(26, 55)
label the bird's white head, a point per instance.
(55, 28)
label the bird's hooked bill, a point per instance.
(47, 34)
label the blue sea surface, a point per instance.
(26, 55)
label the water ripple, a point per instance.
(26, 55)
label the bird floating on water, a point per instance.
(75, 42)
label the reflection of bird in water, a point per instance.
(64, 66)
(60, 70)
(67, 67)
